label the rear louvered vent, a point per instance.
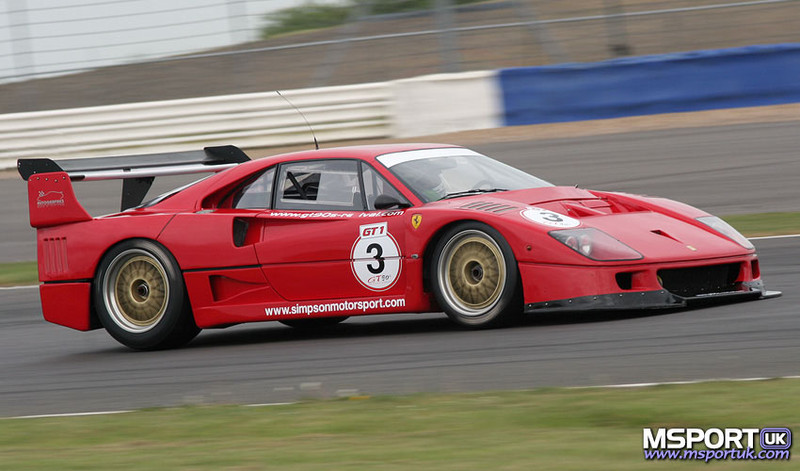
(54, 252)
(489, 207)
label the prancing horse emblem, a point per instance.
(416, 220)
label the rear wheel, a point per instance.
(475, 276)
(140, 297)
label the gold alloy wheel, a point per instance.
(472, 273)
(136, 290)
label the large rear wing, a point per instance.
(48, 195)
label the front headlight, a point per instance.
(595, 244)
(727, 230)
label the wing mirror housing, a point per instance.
(389, 202)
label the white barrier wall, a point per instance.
(435, 104)
(403, 108)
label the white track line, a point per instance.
(72, 414)
(667, 383)
(270, 404)
(18, 287)
(112, 412)
(788, 236)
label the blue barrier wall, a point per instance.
(690, 81)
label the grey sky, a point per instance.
(39, 36)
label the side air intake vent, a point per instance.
(54, 252)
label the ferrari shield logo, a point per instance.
(416, 220)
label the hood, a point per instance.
(661, 230)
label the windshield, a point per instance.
(435, 174)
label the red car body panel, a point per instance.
(67, 304)
(72, 251)
(295, 264)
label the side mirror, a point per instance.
(389, 202)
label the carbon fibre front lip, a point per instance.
(647, 300)
(661, 299)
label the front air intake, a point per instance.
(698, 281)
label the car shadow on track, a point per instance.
(393, 325)
(586, 317)
(370, 326)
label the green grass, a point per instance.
(310, 16)
(763, 224)
(18, 273)
(751, 225)
(313, 16)
(562, 429)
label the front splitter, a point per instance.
(643, 300)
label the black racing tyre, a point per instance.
(316, 323)
(140, 298)
(475, 278)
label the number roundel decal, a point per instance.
(549, 218)
(375, 257)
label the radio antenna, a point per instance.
(316, 144)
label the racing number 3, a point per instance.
(375, 257)
(553, 217)
(549, 218)
(378, 256)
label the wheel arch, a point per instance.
(168, 320)
(502, 305)
(430, 245)
(93, 317)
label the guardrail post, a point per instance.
(615, 25)
(337, 51)
(540, 32)
(448, 38)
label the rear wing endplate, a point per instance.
(137, 171)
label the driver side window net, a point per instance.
(331, 185)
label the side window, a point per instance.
(256, 194)
(375, 184)
(331, 185)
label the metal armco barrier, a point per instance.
(248, 120)
(669, 83)
(422, 105)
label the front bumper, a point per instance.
(641, 286)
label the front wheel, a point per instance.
(140, 297)
(475, 276)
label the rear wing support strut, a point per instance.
(137, 171)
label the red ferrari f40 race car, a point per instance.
(310, 238)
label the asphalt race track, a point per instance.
(48, 369)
